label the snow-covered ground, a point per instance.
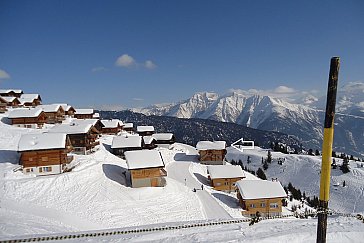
(96, 195)
(303, 171)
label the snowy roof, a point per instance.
(145, 129)
(143, 159)
(128, 125)
(65, 107)
(111, 123)
(225, 171)
(127, 142)
(5, 91)
(96, 115)
(25, 112)
(50, 108)
(148, 139)
(207, 145)
(257, 189)
(162, 136)
(93, 122)
(72, 128)
(84, 111)
(8, 98)
(30, 97)
(42, 141)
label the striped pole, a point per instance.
(327, 150)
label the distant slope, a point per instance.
(190, 131)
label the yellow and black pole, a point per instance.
(327, 150)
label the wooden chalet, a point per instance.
(83, 135)
(68, 110)
(84, 113)
(128, 127)
(11, 92)
(164, 140)
(121, 144)
(211, 153)
(10, 101)
(149, 142)
(224, 177)
(27, 117)
(260, 196)
(146, 168)
(145, 130)
(2, 105)
(44, 154)
(111, 126)
(30, 100)
(54, 113)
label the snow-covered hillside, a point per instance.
(303, 171)
(96, 195)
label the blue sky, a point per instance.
(136, 53)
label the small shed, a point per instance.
(149, 142)
(224, 177)
(30, 100)
(44, 154)
(54, 113)
(164, 140)
(146, 168)
(27, 117)
(111, 126)
(211, 153)
(145, 130)
(260, 196)
(128, 127)
(121, 144)
(10, 101)
(11, 92)
(84, 113)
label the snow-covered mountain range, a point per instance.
(297, 114)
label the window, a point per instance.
(226, 183)
(47, 169)
(27, 170)
(262, 205)
(218, 184)
(273, 205)
(40, 170)
(252, 205)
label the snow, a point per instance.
(127, 142)
(96, 196)
(225, 171)
(8, 98)
(143, 159)
(42, 141)
(148, 139)
(50, 107)
(303, 171)
(163, 136)
(4, 91)
(208, 145)
(72, 128)
(24, 112)
(111, 123)
(145, 129)
(258, 189)
(128, 125)
(84, 111)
